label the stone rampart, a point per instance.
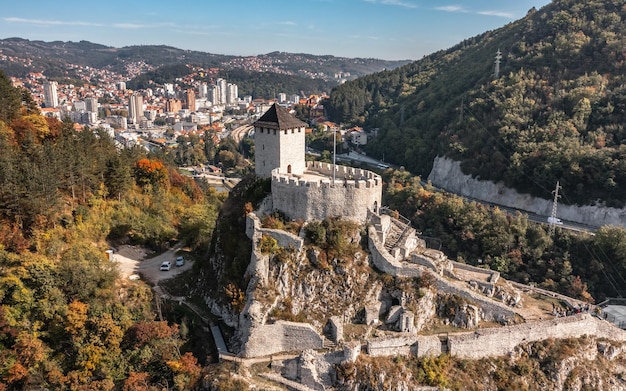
(501, 341)
(493, 342)
(491, 276)
(279, 337)
(392, 346)
(447, 174)
(316, 198)
(491, 309)
(428, 345)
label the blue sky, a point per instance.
(387, 29)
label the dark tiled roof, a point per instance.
(277, 117)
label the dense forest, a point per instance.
(67, 319)
(556, 110)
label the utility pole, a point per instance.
(496, 72)
(553, 219)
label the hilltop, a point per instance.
(555, 111)
(19, 56)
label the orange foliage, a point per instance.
(16, 373)
(12, 237)
(149, 166)
(137, 381)
(30, 350)
(144, 332)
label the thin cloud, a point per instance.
(288, 23)
(397, 3)
(43, 22)
(136, 26)
(452, 8)
(501, 14)
(461, 9)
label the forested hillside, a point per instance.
(555, 112)
(67, 319)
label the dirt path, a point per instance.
(133, 262)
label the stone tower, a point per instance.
(279, 142)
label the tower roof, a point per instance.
(277, 117)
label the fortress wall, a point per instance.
(428, 345)
(447, 174)
(285, 239)
(317, 200)
(492, 310)
(501, 341)
(490, 275)
(392, 346)
(279, 337)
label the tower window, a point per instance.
(274, 132)
(292, 131)
(285, 131)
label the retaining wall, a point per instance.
(447, 174)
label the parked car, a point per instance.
(166, 266)
(180, 261)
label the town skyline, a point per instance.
(384, 29)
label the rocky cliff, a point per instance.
(447, 174)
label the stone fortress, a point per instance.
(309, 190)
(315, 191)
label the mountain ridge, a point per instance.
(97, 55)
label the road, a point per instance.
(238, 133)
(570, 225)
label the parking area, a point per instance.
(132, 262)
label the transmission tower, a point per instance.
(553, 220)
(496, 71)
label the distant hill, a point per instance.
(556, 111)
(51, 58)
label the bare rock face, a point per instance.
(466, 316)
(426, 309)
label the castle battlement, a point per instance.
(314, 179)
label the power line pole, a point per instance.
(553, 219)
(496, 72)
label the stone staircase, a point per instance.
(397, 232)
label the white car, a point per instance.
(166, 266)
(180, 261)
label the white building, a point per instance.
(135, 108)
(51, 98)
(232, 94)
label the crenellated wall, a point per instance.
(315, 196)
